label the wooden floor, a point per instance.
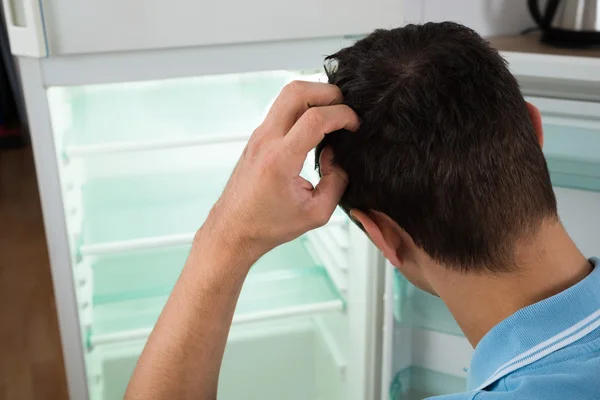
(31, 364)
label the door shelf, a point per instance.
(130, 289)
(417, 383)
(571, 141)
(573, 180)
(418, 309)
(573, 156)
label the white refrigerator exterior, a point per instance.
(81, 27)
(61, 27)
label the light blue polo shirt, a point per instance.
(549, 350)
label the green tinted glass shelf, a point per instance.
(416, 308)
(416, 383)
(573, 156)
(143, 206)
(136, 275)
(173, 109)
(125, 207)
(129, 290)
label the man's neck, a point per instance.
(546, 265)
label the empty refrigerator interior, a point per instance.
(141, 165)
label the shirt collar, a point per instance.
(537, 331)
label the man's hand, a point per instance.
(264, 204)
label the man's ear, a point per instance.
(383, 232)
(536, 120)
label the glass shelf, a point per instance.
(174, 108)
(416, 308)
(416, 383)
(129, 290)
(136, 275)
(573, 156)
(188, 108)
(120, 206)
(131, 207)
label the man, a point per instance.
(436, 155)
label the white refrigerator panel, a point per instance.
(74, 27)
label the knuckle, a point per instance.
(258, 132)
(351, 117)
(314, 118)
(347, 111)
(294, 89)
(337, 93)
(252, 148)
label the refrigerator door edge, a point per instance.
(387, 332)
(55, 226)
(365, 288)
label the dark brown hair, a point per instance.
(446, 147)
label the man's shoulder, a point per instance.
(572, 375)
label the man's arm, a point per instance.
(265, 203)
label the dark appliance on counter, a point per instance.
(568, 23)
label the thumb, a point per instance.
(333, 183)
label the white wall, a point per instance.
(487, 17)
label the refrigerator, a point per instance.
(138, 112)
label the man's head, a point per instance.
(448, 158)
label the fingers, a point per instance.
(314, 124)
(295, 99)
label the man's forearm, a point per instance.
(192, 330)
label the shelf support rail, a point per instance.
(159, 241)
(294, 311)
(125, 147)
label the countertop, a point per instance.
(530, 43)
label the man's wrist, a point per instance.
(222, 252)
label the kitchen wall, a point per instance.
(487, 17)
